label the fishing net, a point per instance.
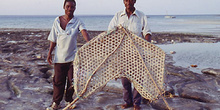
(115, 54)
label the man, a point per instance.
(136, 22)
(63, 37)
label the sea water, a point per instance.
(205, 55)
(199, 24)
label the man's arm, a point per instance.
(49, 57)
(146, 30)
(85, 35)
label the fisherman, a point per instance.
(135, 21)
(63, 38)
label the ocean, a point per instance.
(198, 24)
(205, 55)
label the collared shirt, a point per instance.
(136, 23)
(66, 40)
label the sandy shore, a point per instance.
(26, 77)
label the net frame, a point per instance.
(115, 54)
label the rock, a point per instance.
(50, 72)
(6, 50)
(111, 107)
(153, 42)
(38, 56)
(14, 89)
(172, 52)
(18, 66)
(194, 66)
(42, 64)
(100, 100)
(200, 91)
(5, 92)
(12, 42)
(215, 106)
(44, 70)
(26, 78)
(13, 74)
(103, 97)
(177, 104)
(211, 71)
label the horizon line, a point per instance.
(107, 14)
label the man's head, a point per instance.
(69, 1)
(69, 6)
(129, 4)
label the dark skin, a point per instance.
(69, 8)
(129, 8)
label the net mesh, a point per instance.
(115, 54)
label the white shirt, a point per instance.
(136, 23)
(66, 40)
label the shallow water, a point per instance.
(204, 55)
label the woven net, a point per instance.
(115, 54)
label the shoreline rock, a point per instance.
(26, 77)
(211, 71)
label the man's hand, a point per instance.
(49, 56)
(49, 59)
(148, 37)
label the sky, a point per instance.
(110, 7)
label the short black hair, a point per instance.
(68, 1)
(134, 0)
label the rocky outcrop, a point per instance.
(26, 79)
(211, 71)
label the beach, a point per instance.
(26, 77)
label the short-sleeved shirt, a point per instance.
(66, 40)
(136, 23)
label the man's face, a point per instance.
(129, 4)
(69, 8)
